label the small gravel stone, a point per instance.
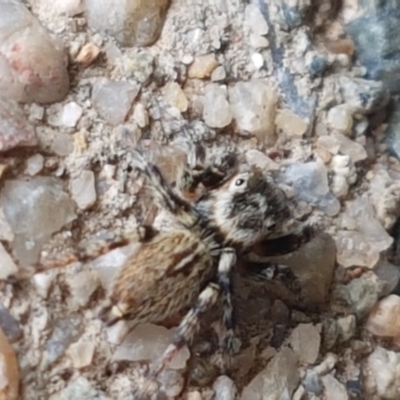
(62, 144)
(36, 112)
(299, 394)
(388, 205)
(290, 123)
(81, 286)
(135, 23)
(9, 325)
(6, 232)
(389, 274)
(83, 189)
(203, 66)
(347, 328)
(310, 182)
(140, 115)
(362, 95)
(255, 20)
(224, 388)
(327, 364)
(351, 148)
(216, 110)
(138, 66)
(277, 381)
(71, 114)
(253, 107)
(113, 100)
(258, 42)
(194, 396)
(382, 374)
(81, 353)
(218, 74)
(65, 332)
(329, 143)
(175, 97)
(43, 282)
(261, 160)
(258, 60)
(305, 340)
(361, 294)
(383, 319)
(46, 209)
(79, 388)
(334, 390)
(70, 7)
(34, 164)
(339, 186)
(361, 210)
(312, 382)
(172, 383)
(330, 333)
(147, 342)
(8, 266)
(340, 118)
(14, 128)
(87, 55)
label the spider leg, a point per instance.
(259, 267)
(88, 252)
(211, 176)
(268, 271)
(285, 244)
(183, 336)
(225, 266)
(160, 189)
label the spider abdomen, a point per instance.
(162, 278)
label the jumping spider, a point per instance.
(191, 266)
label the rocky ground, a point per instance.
(307, 88)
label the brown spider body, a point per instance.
(190, 265)
(168, 272)
(163, 277)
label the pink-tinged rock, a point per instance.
(9, 371)
(383, 319)
(32, 64)
(15, 129)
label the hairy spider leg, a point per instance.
(184, 335)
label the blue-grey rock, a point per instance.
(392, 136)
(317, 65)
(376, 36)
(364, 96)
(360, 295)
(312, 382)
(9, 324)
(310, 183)
(291, 15)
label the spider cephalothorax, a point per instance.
(245, 209)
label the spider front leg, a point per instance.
(95, 249)
(284, 244)
(210, 176)
(267, 271)
(225, 266)
(258, 266)
(183, 336)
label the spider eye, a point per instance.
(239, 182)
